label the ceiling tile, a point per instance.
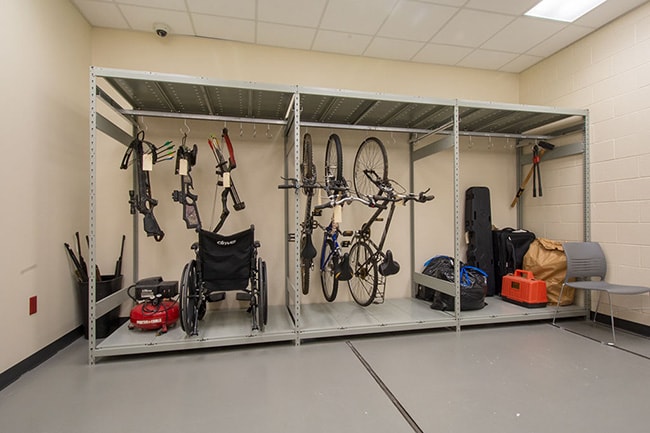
(415, 21)
(280, 35)
(177, 5)
(232, 29)
(485, 59)
(521, 63)
(338, 42)
(360, 16)
(140, 18)
(607, 12)
(441, 54)
(226, 8)
(102, 14)
(522, 34)
(560, 40)
(293, 12)
(510, 7)
(471, 28)
(393, 49)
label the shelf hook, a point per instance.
(269, 135)
(254, 130)
(241, 129)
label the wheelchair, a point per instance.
(222, 264)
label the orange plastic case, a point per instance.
(523, 289)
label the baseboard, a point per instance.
(628, 325)
(13, 373)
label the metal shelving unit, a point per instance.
(441, 122)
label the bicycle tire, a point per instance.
(363, 285)
(370, 167)
(307, 167)
(334, 162)
(305, 270)
(328, 282)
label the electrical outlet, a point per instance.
(32, 305)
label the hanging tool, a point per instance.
(118, 264)
(537, 175)
(545, 146)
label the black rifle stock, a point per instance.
(140, 198)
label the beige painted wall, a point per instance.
(45, 49)
(608, 73)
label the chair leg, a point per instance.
(611, 316)
(598, 305)
(557, 306)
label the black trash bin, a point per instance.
(109, 322)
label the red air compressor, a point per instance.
(155, 308)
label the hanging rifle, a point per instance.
(185, 160)
(224, 168)
(140, 198)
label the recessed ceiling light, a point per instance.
(563, 10)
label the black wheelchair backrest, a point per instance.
(226, 262)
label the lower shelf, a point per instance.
(228, 328)
(500, 311)
(348, 318)
(218, 328)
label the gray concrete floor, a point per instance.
(516, 378)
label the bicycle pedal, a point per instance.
(317, 212)
(345, 244)
(347, 233)
(379, 219)
(291, 237)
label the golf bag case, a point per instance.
(478, 228)
(510, 246)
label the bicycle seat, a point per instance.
(308, 250)
(389, 266)
(342, 270)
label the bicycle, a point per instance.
(334, 264)
(370, 264)
(308, 185)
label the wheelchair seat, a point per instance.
(223, 263)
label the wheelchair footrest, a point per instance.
(216, 296)
(243, 296)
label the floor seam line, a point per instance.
(622, 349)
(400, 408)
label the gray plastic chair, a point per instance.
(587, 264)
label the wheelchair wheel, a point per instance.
(189, 299)
(363, 285)
(262, 295)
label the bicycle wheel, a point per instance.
(329, 259)
(370, 167)
(189, 299)
(363, 286)
(334, 162)
(307, 167)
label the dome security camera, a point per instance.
(162, 30)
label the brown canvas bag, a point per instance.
(546, 260)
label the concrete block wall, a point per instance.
(608, 72)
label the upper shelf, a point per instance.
(168, 95)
